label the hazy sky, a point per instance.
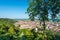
(13, 8)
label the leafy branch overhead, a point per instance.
(40, 8)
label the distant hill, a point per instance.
(20, 19)
(6, 20)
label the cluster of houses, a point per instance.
(53, 26)
(27, 24)
(34, 24)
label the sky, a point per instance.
(13, 9)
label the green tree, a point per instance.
(40, 8)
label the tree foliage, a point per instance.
(40, 8)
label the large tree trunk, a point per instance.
(44, 30)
